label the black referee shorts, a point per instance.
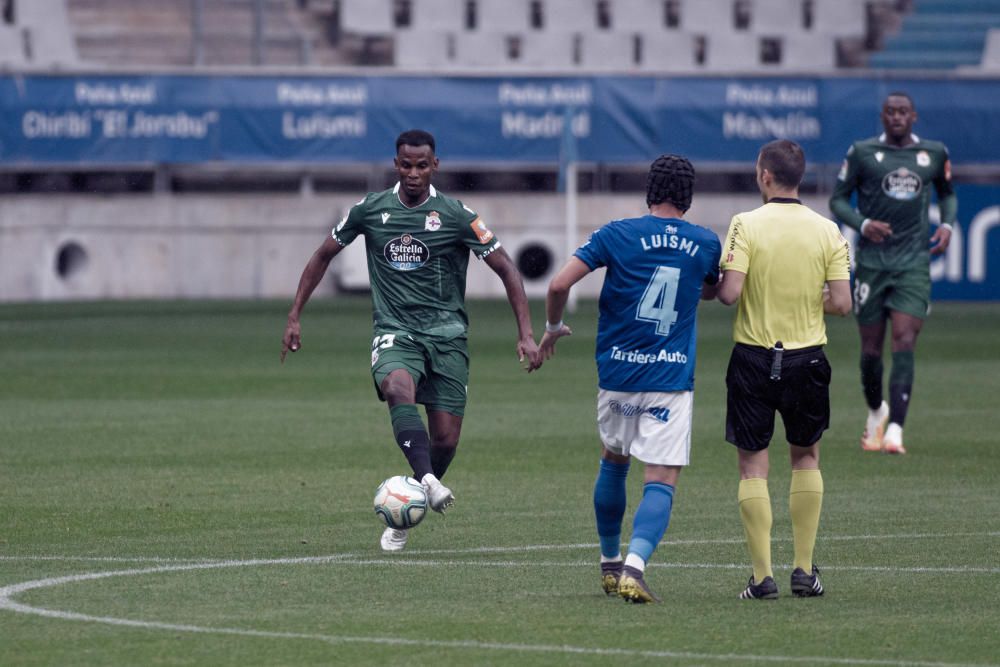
(801, 396)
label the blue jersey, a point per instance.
(655, 270)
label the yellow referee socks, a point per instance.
(755, 511)
(805, 500)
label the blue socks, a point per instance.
(651, 519)
(609, 506)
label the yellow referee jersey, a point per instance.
(788, 252)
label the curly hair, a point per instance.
(670, 179)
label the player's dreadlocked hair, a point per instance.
(671, 179)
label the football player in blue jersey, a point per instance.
(658, 268)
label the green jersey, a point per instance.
(417, 259)
(893, 185)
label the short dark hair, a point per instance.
(415, 138)
(900, 93)
(670, 179)
(785, 160)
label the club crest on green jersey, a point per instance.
(902, 184)
(406, 253)
(432, 222)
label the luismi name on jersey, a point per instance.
(902, 184)
(405, 253)
(668, 239)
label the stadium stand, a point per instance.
(543, 35)
(37, 34)
(940, 34)
(511, 17)
(11, 46)
(991, 52)
(660, 54)
(197, 32)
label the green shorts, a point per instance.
(440, 368)
(877, 291)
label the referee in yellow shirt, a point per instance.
(786, 266)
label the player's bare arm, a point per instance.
(555, 305)
(710, 291)
(501, 264)
(731, 286)
(311, 275)
(837, 299)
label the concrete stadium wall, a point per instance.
(65, 247)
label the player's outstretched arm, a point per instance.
(311, 275)
(555, 305)
(501, 264)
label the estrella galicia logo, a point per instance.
(902, 184)
(406, 253)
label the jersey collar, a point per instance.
(914, 138)
(784, 200)
(430, 193)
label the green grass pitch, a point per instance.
(171, 495)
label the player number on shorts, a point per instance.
(657, 303)
(383, 341)
(861, 291)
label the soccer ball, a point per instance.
(400, 502)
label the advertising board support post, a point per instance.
(568, 184)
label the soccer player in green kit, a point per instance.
(893, 174)
(418, 242)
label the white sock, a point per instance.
(615, 559)
(633, 560)
(894, 432)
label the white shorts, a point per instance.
(652, 426)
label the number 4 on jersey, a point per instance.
(657, 303)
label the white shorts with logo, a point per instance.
(652, 426)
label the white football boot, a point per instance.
(393, 539)
(871, 439)
(439, 496)
(892, 443)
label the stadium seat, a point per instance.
(707, 18)
(844, 18)
(800, 51)
(776, 17)
(637, 15)
(482, 50)
(607, 51)
(11, 46)
(424, 49)
(991, 51)
(548, 50)
(437, 15)
(510, 16)
(670, 52)
(734, 51)
(569, 15)
(367, 17)
(50, 39)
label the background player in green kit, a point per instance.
(418, 241)
(893, 174)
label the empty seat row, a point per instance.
(612, 51)
(832, 17)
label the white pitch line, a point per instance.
(7, 593)
(516, 549)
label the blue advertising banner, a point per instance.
(126, 119)
(970, 269)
